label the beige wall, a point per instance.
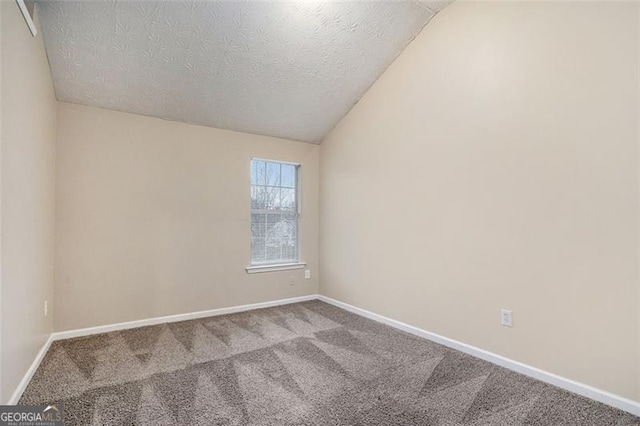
(28, 161)
(2, 391)
(495, 165)
(153, 218)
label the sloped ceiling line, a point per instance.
(284, 69)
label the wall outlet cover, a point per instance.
(506, 318)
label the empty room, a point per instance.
(400, 212)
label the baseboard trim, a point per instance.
(30, 372)
(61, 335)
(605, 397)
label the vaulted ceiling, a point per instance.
(286, 69)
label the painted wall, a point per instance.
(2, 392)
(495, 165)
(153, 218)
(27, 175)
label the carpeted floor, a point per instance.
(303, 364)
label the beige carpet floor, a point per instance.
(302, 364)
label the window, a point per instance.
(274, 212)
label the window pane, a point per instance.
(258, 232)
(257, 172)
(265, 197)
(289, 254)
(257, 198)
(274, 238)
(274, 218)
(273, 232)
(272, 197)
(254, 172)
(275, 198)
(290, 243)
(273, 174)
(288, 199)
(288, 176)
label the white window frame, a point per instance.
(257, 267)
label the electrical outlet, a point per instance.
(307, 273)
(506, 318)
(46, 308)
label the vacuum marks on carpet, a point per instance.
(302, 364)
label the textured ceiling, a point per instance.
(286, 69)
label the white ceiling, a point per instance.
(286, 69)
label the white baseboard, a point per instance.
(29, 374)
(544, 376)
(605, 397)
(60, 335)
(140, 323)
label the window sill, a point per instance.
(255, 269)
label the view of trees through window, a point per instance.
(274, 212)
